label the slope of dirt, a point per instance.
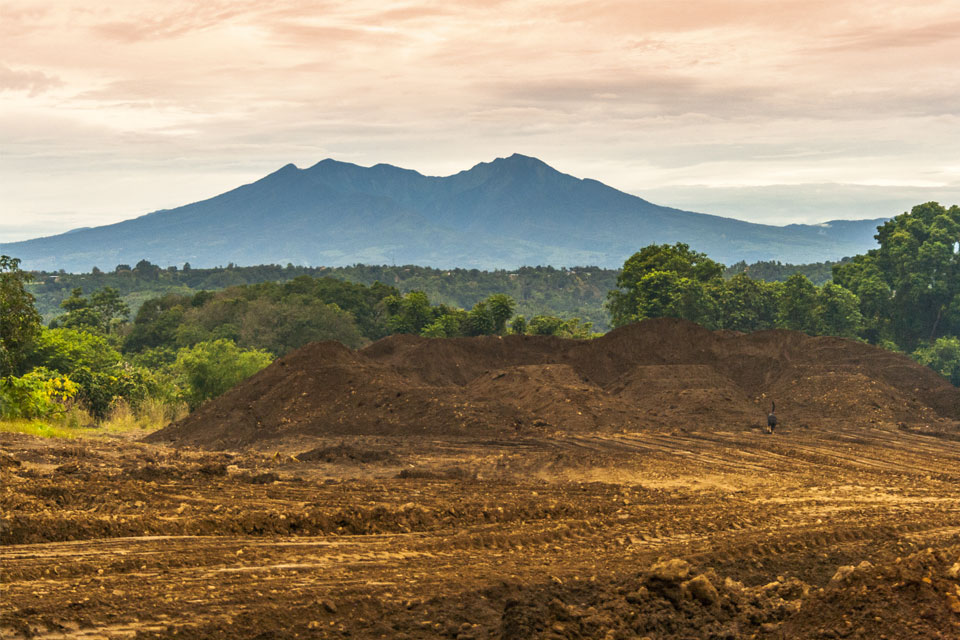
(659, 374)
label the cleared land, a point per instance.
(846, 526)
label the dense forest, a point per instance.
(204, 330)
(578, 292)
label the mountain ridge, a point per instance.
(504, 213)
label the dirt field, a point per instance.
(549, 538)
(616, 489)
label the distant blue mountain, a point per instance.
(502, 214)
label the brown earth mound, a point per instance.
(657, 374)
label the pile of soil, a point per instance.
(660, 373)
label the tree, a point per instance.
(20, 323)
(110, 307)
(518, 325)
(943, 356)
(747, 304)
(543, 325)
(409, 313)
(912, 279)
(798, 303)
(96, 367)
(501, 308)
(96, 313)
(837, 312)
(480, 321)
(209, 369)
(649, 285)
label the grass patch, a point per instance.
(76, 423)
(39, 428)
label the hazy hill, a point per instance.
(509, 212)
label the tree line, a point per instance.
(576, 292)
(904, 295)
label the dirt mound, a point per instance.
(656, 374)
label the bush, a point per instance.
(208, 369)
(943, 356)
(39, 394)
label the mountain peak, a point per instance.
(520, 160)
(508, 212)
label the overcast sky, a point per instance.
(774, 111)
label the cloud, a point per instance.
(637, 94)
(32, 82)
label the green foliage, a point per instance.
(747, 305)
(96, 367)
(103, 311)
(909, 288)
(674, 282)
(410, 313)
(518, 325)
(818, 273)
(66, 350)
(554, 326)
(40, 393)
(19, 320)
(573, 292)
(943, 356)
(271, 316)
(798, 305)
(662, 281)
(837, 312)
(211, 368)
(500, 307)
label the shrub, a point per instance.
(39, 394)
(208, 369)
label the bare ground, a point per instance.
(725, 533)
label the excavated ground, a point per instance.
(509, 488)
(808, 533)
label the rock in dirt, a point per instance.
(674, 570)
(843, 573)
(954, 571)
(702, 589)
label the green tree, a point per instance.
(837, 312)
(909, 287)
(409, 313)
(501, 308)
(943, 356)
(480, 321)
(111, 308)
(19, 320)
(100, 312)
(650, 284)
(209, 369)
(95, 366)
(447, 325)
(798, 305)
(518, 325)
(747, 304)
(544, 325)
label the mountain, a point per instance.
(502, 214)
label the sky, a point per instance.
(773, 111)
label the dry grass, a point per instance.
(76, 422)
